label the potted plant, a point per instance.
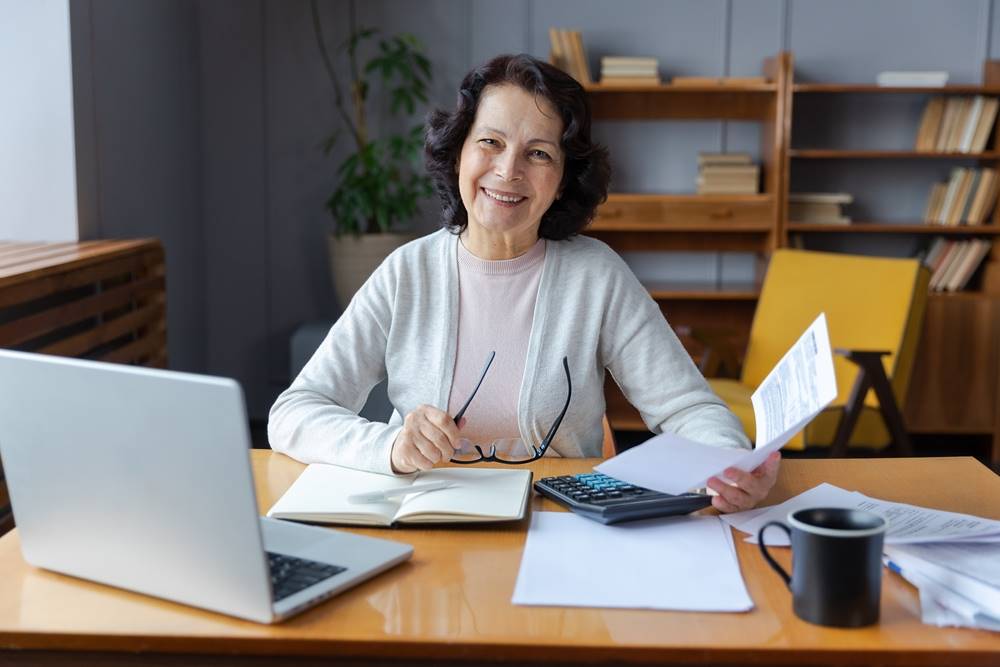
(380, 182)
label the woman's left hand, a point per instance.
(739, 490)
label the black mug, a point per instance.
(836, 565)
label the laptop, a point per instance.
(141, 479)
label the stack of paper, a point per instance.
(953, 559)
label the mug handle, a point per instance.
(763, 549)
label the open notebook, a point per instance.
(320, 494)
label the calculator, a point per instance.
(609, 500)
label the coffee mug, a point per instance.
(836, 575)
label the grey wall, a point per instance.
(136, 69)
(208, 117)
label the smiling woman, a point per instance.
(509, 280)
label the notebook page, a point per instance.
(320, 494)
(484, 493)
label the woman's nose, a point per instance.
(507, 166)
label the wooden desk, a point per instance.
(451, 603)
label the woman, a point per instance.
(519, 178)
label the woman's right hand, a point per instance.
(429, 435)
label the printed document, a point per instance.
(908, 524)
(682, 563)
(792, 394)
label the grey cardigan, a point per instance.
(403, 324)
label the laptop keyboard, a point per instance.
(289, 575)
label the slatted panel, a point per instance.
(102, 300)
(94, 299)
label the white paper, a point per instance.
(680, 563)
(908, 524)
(944, 607)
(797, 388)
(792, 394)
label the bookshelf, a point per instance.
(955, 388)
(699, 222)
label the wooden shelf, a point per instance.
(671, 89)
(955, 89)
(889, 228)
(703, 291)
(666, 101)
(828, 154)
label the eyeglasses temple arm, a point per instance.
(489, 361)
(555, 426)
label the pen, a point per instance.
(385, 494)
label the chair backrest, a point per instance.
(871, 303)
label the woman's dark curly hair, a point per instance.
(586, 172)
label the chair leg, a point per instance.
(871, 374)
(849, 417)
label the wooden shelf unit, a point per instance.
(956, 382)
(955, 386)
(827, 154)
(858, 227)
(727, 223)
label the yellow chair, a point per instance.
(874, 308)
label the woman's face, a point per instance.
(511, 163)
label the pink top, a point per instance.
(495, 311)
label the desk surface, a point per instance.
(452, 601)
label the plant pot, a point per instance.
(353, 258)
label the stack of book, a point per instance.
(967, 198)
(953, 263)
(727, 173)
(957, 124)
(568, 55)
(819, 207)
(628, 71)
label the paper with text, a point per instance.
(681, 563)
(793, 393)
(908, 524)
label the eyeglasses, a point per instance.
(512, 451)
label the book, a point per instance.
(705, 159)
(953, 142)
(985, 125)
(629, 61)
(961, 194)
(718, 80)
(934, 201)
(929, 123)
(949, 196)
(822, 197)
(928, 79)
(986, 195)
(320, 495)
(946, 265)
(630, 81)
(580, 56)
(948, 120)
(975, 110)
(967, 264)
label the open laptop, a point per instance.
(141, 479)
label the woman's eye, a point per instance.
(488, 142)
(540, 154)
